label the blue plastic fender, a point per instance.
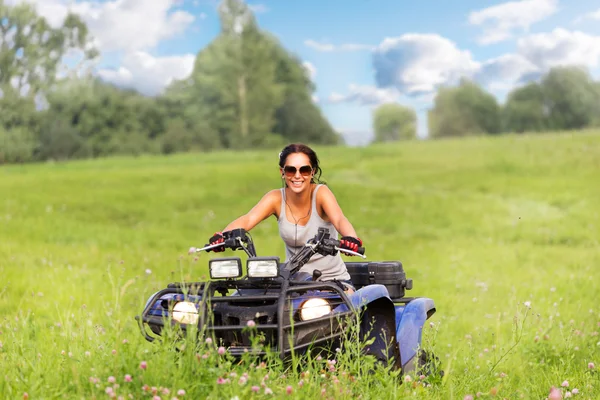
(364, 296)
(410, 319)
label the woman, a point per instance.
(301, 207)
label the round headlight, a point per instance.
(185, 312)
(314, 308)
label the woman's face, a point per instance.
(297, 172)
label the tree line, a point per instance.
(245, 91)
(565, 98)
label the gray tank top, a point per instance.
(295, 236)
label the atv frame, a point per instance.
(278, 307)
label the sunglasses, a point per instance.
(290, 170)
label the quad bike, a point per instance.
(294, 311)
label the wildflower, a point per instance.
(527, 304)
(242, 380)
(575, 391)
(148, 271)
(143, 365)
(181, 392)
(565, 384)
(568, 394)
(87, 354)
(288, 390)
(468, 397)
(208, 340)
(166, 391)
(221, 350)
(591, 365)
(268, 391)
(114, 352)
(407, 378)
(111, 379)
(554, 394)
(251, 324)
(255, 388)
(128, 378)
(125, 341)
(25, 396)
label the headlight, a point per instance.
(314, 308)
(264, 267)
(185, 312)
(225, 267)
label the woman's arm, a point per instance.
(261, 211)
(334, 212)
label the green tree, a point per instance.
(571, 98)
(234, 78)
(31, 50)
(108, 119)
(247, 90)
(392, 122)
(525, 110)
(466, 109)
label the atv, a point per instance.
(294, 311)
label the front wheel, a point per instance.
(429, 364)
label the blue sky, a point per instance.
(364, 52)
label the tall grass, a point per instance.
(502, 233)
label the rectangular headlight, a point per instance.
(230, 267)
(263, 267)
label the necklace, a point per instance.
(294, 217)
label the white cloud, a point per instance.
(327, 47)
(148, 74)
(365, 95)
(560, 47)
(415, 64)
(120, 24)
(500, 21)
(504, 72)
(593, 15)
(310, 69)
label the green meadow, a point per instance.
(502, 232)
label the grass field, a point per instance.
(503, 233)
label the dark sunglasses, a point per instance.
(290, 170)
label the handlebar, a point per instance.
(321, 244)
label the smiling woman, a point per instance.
(302, 206)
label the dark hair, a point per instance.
(312, 156)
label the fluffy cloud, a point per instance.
(500, 21)
(560, 47)
(365, 95)
(120, 24)
(327, 47)
(310, 69)
(148, 74)
(505, 71)
(416, 64)
(130, 28)
(595, 15)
